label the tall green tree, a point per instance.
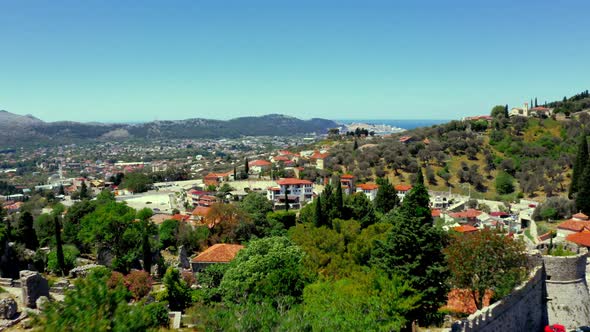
(24, 232)
(286, 201)
(413, 250)
(386, 198)
(58, 247)
(583, 195)
(177, 293)
(246, 168)
(339, 200)
(318, 219)
(84, 191)
(147, 230)
(579, 165)
(361, 209)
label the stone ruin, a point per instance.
(33, 286)
(183, 258)
(8, 308)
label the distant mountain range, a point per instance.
(21, 129)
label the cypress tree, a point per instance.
(83, 190)
(417, 201)
(419, 178)
(146, 248)
(579, 166)
(536, 102)
(583, 195)
(339, 199)
(386, 198)
(235, 173)
(425, 267)
(356, 145)
(318, 218)
(246, 167)
(286, 201)
(58, 247)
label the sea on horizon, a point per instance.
(404, 124)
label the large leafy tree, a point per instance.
(136, 182)
(268, 270)
(178, 292)
(360, 208)
(111, 227)
(485, 260)
(413, 251)
(504, 183)
(362, 302)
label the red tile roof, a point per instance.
(201, 211)
(471, 213)
(580, 216)
(292, 181)
(180, 217)
(574, 225)
(582, 238)
(281, 158)
(318, 155)
(219, 253)
(435, 213)
(259, 163)
(465, 229)
(367, 186)
(347, 176)
(402, 187)
(404, 139)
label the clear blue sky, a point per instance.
(143, 60)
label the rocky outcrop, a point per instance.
(82, 271)
(42, 302)
(33, 286)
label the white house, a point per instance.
(298, 191)
(369, 189)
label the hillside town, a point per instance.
(211, 197)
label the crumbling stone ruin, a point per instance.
(33, 286)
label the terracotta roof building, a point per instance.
(582, 238)
(217, 253)
(465, 229)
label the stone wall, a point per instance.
(568, 299)
(523, 310)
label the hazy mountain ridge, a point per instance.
(19, 129)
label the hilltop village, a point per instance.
(349, 229)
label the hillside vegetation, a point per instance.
(500, 159)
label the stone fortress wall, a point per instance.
(555, 292)
(522, 310)
(568, 299)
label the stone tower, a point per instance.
(568, 299)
